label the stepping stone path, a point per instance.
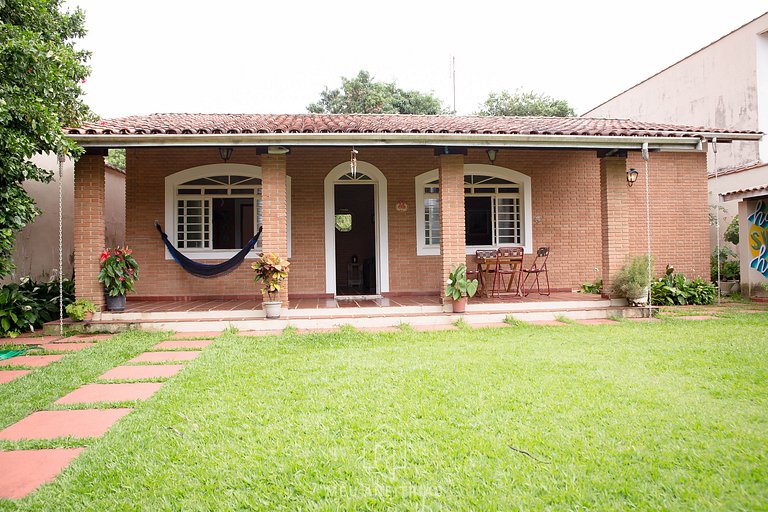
(23, 471)
(36, 361)
(9, 375)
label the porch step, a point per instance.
(253, 320)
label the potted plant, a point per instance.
(459, 288)
(730, 273)
(81, 309)
(270, 270)
(632, 281)
(119, 271)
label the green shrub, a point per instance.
(596, 287)
(78, 310)
(676, 290)
(732, 231)
(28, 305)
(729, 268)
(632, 280)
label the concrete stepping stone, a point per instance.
(9, 375)
(87, 337)
(485, 325)
(150, 371)
(159, 357)
(36, 361)
(209, 335)
(546, 322)
(53, 424)
(434, 327)
(596, 321)
(91, 393)
(170, 344)
(23, 471)
(66, 347)
(29, 340)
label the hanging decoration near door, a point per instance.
(353, 162)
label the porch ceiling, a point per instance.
(394, 130)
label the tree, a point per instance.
(361, 95)
(116, 158)
(524, 103)
(40, 77)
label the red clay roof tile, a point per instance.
(383, 123)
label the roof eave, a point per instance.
(689, 141)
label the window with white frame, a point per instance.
(211, 211)
(496, 203)
(217, 212)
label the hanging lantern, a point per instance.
(353, 162)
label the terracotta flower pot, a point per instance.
(460, 306)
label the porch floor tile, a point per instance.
(91, 393)
(66, 347)
(23, 471)
(159, 357)
(53, 424)
(184, 344)
(9, 375)
(36, 361)
(150, 371)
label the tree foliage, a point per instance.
(524, 103)
(40, 77)
(116, 158)
(362, 95)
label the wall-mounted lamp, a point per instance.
(225, 154)
(492, 155)
(631, 177)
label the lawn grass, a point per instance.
(671, 415)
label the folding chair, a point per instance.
(487, 264)
(536, 269)
(510, 264)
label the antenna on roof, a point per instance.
(453, 80)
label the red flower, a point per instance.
(122, 278)
(104, 256)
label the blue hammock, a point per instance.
(205, 270)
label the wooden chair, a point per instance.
(510, 263)
(537, 268)
(487, 265)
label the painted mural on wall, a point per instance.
(758, 238)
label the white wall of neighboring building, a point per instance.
(723, 85)
(720, 86)
(37, 245)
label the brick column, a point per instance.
(274, 211)
(89, 226)
(452, 237)
(614, 207)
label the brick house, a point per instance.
(426, 195)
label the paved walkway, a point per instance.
(23, 471)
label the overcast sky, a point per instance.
(232, 56)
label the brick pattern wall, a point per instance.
(679, 212)
(615, 217)
(89, 228)
(566, 196)
(452, 243)
(275, 211)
